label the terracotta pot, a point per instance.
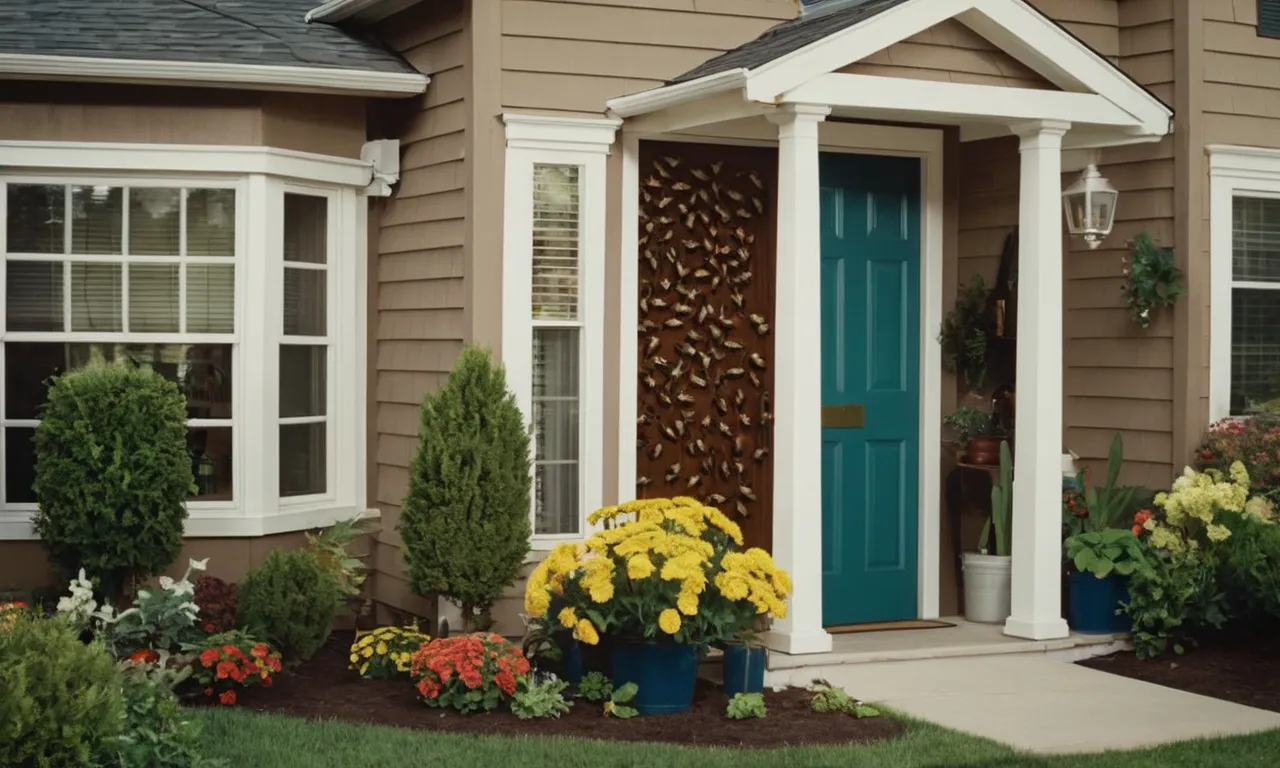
(983, 450)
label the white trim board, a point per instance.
(925, 143)
(362, 11)
(256, 77)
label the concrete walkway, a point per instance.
(1037, 704)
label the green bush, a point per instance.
(60, 699)
(290, 600)
(157, 733)
(1174, 599)
(112, 473)
(465, 520)
(1249, 566)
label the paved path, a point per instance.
(1039, 705)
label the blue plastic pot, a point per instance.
(1094, 603)
(743, 669)
(573, 663)
(665, 673)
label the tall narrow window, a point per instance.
(1255, 302)
(304, 348)
(557, 345)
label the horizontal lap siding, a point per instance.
(571, 57)
(418, 315)
(950, 52)
(1242, 77)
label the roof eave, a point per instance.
(366, 11)
(679, 93)
(349, 82)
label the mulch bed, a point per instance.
(1241, 669)
(324, 688)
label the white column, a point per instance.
(797, 371)
(1037, 463)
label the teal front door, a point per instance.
(870, 387)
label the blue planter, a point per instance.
(1094, 603)
(573, 663)
(743, 669)
(665, 673)
(581, 660)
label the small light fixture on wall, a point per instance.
(1090, 205)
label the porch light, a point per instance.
(1090, 204)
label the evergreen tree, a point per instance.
(465, 520)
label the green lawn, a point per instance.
(249, 740)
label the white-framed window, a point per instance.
(244, 285)
(1245, 279)
(553, 309)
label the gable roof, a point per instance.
(212, 33)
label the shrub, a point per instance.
(465, 519)
(745, 706)
(595, 686)
(539, 699)
(232, 660)
(1254, 441)
(60, 699)
(386, 651)
(217, 600)
(290, 601)
(469, 673)
(331, 547)
(1171, 600)
(1249, 566)
(156, 733)
(112, 473)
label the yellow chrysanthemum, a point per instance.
(355, 657)
(568, 617)
(688, 604)
(669, 621)
(366, 652)
(586, 632)
(380, 649)
(639, 567)
(536, 602)
(364, 669)
(1217, 532)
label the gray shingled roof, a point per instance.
(261, 32)
(787, 37)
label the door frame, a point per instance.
(839, 137)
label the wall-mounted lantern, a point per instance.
(1090, 205)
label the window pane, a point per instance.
(33, 296)
(555, 242)
(35, 218)
(1255, 348)
(302, 459)
(304, 302)
(555, 430)
(556, 499)
(211, 299)
(154, 219)
(303, 381)
(1256, 239)
(555, 362)
(97, 217)
(211, 222)
(202, 371)
(153, 298)
(19, 464)
(95, 297)
(306, 228)
(210, 449)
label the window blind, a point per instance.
(1269, 18)
(556, 235)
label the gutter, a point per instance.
(680, 93)
(367, 11)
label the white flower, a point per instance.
(166, 583)
(198, 565)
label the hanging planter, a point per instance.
(1153, 280)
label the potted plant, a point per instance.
(988, 572)
(744, 662)
(978, 432)
(965, 334)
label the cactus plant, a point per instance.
(1001, 507)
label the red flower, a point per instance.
(144, 656)
(1137, 530)
(225, 668)
(237, 674)
(259, 651)
(208, 657)
(1206, 454)
(274, 663)
(266, 681)
(227, 698)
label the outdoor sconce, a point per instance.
(1090, 204)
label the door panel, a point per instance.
(870, 358)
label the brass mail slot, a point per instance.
(842, 417)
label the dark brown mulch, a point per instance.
(324, 688)
(1241, 669)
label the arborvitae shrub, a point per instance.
(290, 601)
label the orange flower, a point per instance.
(225, 668)
(208, 657)
(1137, 530)
(259, 651)
(144, 656)
(227, 698)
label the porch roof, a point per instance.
(797, 62)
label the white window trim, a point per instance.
(583, 142)
(260, 175)
(1233, 172)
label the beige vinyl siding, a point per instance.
(950, 52)
(1241, 77)
(417, 315)
(1096, 22)
(571, 57)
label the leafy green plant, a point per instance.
(465, 519)
(1105, 552)
(539, 699)
(969, 422)
(156, 734)
(595, 686)
(1153, 280)
(829, 698)
(1249, 565)
(1001, 519)
(965, 334)
(621, 701)
(290, 601)
(332, 546)
(744, 706)
(539, 645)
(112, 473)
(162, 619)
(60, 698)
(1110, 505)
(1172, 600)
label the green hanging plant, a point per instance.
(1153, 280)
(965, 333)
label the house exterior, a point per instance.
(712, 241)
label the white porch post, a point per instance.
(797, 480)
(1037, 464)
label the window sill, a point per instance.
(16, 526)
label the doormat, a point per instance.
(887, 626)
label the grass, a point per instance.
(249, 740)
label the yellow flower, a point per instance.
(669, 621)
(688, 604)
(355, 657)
(366, 652)
(568, 618)
(639, 567)
(536, 602)
(586, 632)
(364, 668)
(381, 649)
(1217, 532)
